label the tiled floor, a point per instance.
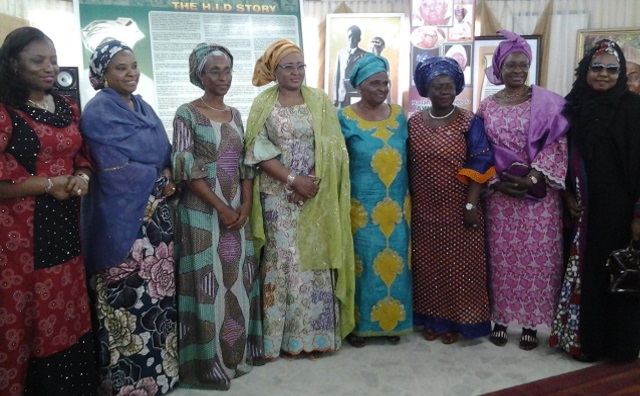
(413, 367)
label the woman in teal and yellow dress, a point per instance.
(376, 136)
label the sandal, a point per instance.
(430, 335)
(499, 335)
(355, 341)
(528, 339)
(449, 338)
(393, 340)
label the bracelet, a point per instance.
(83, 176)
(290, 178)
(49, 186)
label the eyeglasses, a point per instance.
(217, 73)
(633, 77)
(599, 67)
(291, 68)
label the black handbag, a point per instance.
(624, 271)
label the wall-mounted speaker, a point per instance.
(66, 83)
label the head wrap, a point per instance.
(513, 43)
(607, 47)
(366, 67)
(265, 70)
(198, 59)
(587, 109)
(427, 70)
(631, 54)
(100, 59)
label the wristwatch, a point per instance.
(469, 206)
(533, 179)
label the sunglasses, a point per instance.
(598, 67)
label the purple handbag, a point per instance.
(538, 190)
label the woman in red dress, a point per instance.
(46, 343)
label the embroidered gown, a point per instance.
(524, 237)
(380, 207)
(300, 311)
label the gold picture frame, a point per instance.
(587, 37)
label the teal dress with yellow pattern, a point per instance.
(380, 217)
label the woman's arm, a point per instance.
(36, 185)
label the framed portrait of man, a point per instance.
(349, 37)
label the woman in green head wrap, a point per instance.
(301, 209)
(213, 233)
(376, 137)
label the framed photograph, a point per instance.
(349, 37)
(432, 13)
(483, 49)
(587, 38)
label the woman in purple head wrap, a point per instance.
(449, 161)
(524, 231)
(127, 230)
(376, 136)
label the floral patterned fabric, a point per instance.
(45, 324)
(379, 221)
(135, 310)
(219, 295)
(524, 236)
(300, 311)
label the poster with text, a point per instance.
(163, 33)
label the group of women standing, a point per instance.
(295, 234)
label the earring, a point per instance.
(106, 83)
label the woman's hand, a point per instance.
(77, 186)
(243, 213)
(296, 198)
(228, 216)
(574, 208)
(306, 186)
(514, 186)
(169, 189)
(62, 187)
(470, 218)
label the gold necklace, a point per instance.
(214, 108)
(524, 92)
(38, 105)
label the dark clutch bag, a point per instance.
(539, 190)
(624, 271)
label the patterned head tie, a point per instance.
(513, 43)
(428, 69)
(100, 59)
(607, 47)
(199, 57)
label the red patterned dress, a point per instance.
(46, 345)
(450, 289)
